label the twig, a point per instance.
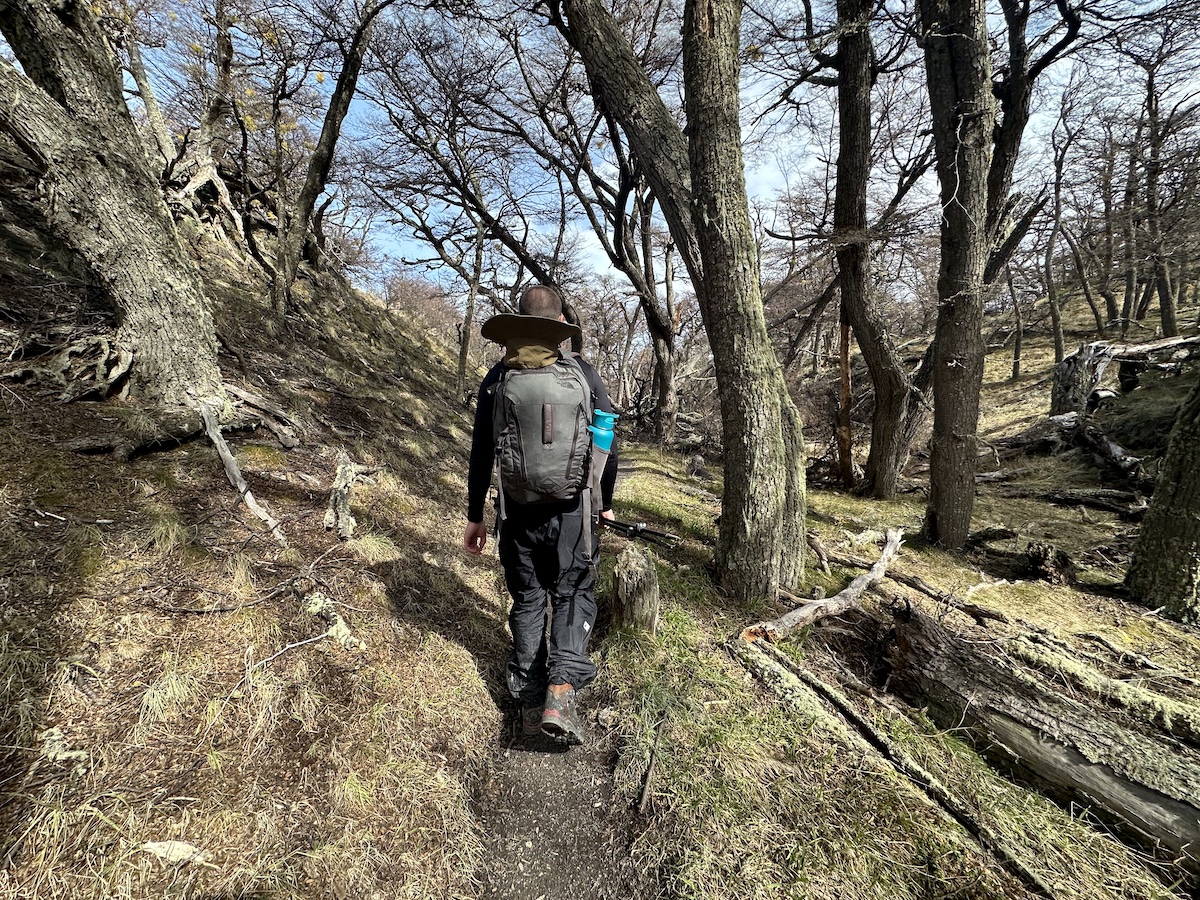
(213, 430)
(279, 653)
(644, 800)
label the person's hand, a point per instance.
(608, 514)
(475, 538)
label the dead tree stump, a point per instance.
(635, 591)
(338, 514)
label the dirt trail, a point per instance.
(553, 827)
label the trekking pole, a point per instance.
(641, 531)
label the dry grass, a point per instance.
(323, 772)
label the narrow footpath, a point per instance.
(552, 826)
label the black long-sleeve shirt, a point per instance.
(483, 447)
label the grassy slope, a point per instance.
(139, 706)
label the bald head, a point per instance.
(540, 300)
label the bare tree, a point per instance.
(297, 217)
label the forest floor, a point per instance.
(184, 716)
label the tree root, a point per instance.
(213, 430)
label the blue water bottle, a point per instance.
(602, 439)
(602, 429)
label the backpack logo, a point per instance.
(540, 421)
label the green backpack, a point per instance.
(540, 421)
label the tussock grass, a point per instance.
(167, 533)
(374, 548)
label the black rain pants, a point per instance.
(547, 568)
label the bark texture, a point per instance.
(1128, 756)
(1165, 571)
(762, 539)
(958, 72)
(89, 180)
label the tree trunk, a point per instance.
(854, 57)
(1084, 282)
(620, 85)
(1018, 328)
(1052, 293)
(87, 162)
(154, 118)
(464, 348)
(1165, 571)
(699, 184)
(295, 221)
(1122, 752)
(958, 73)
(845, 427)
(761, 540)
(1129, 249)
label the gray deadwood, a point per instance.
(1128, 755)
(635, 591)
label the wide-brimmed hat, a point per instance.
(505, 327)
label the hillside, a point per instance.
(184, 715)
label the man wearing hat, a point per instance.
(543, 546)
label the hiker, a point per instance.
(547, 547)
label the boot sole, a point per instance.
(561, 730)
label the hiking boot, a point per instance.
(560, 719)
(531, 720)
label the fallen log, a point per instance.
(980, 614)
(1079, 373)
(1126, 504)
(1056, 433)
(1096, 745)
(777, 629)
